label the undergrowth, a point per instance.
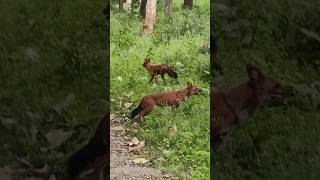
(180, 41)
(280, 38)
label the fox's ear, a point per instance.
(189, 84)
(254, 73)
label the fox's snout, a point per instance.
(291, 91)
(288, 91)
(280, 95)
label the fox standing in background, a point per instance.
(95, 154)
(172, 99)
(231, 108)
(161, 69)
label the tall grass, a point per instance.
(52, 76)
(180, 42)
(279, 142)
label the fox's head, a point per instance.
(268, 90)
(193, 89)
(146, 61)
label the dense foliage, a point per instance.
(52, 76)
(282, 39)
(183, 42)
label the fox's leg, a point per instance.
(99, 173)
(162, 76)
(175, 107)
(217, 143)
(146, 111)
(141, 114)
(152, 77)
(218, 136)
(100, 164)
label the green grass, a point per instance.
(179, 42)
(278, 142)
(51, 53)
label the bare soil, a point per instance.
(122, 161)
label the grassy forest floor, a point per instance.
(179, 140)
(282, 39)
(53, 83)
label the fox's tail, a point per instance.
(172, 73)
(136, 111)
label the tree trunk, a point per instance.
(143, 8)
(167, 8)
(134, 3)
(188, 4)
(150, 18)
(128, 5)
(121, 3)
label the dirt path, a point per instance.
(123, 165)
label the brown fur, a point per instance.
(160, 69)
(230, 108)
(172, 99)
(93, 155)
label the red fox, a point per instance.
(172, 99)
(230, 108)
(93, 155)
(161, 69)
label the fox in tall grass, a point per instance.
(232, 107)
(173, 99)
(159, 69)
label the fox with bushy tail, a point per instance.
(159, 69)
(173, 99)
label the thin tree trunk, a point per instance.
(121, 3)
(188, 4)
(167, 8)
(133, 3)
(128, 5)
(150, 18)
(143, 8)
